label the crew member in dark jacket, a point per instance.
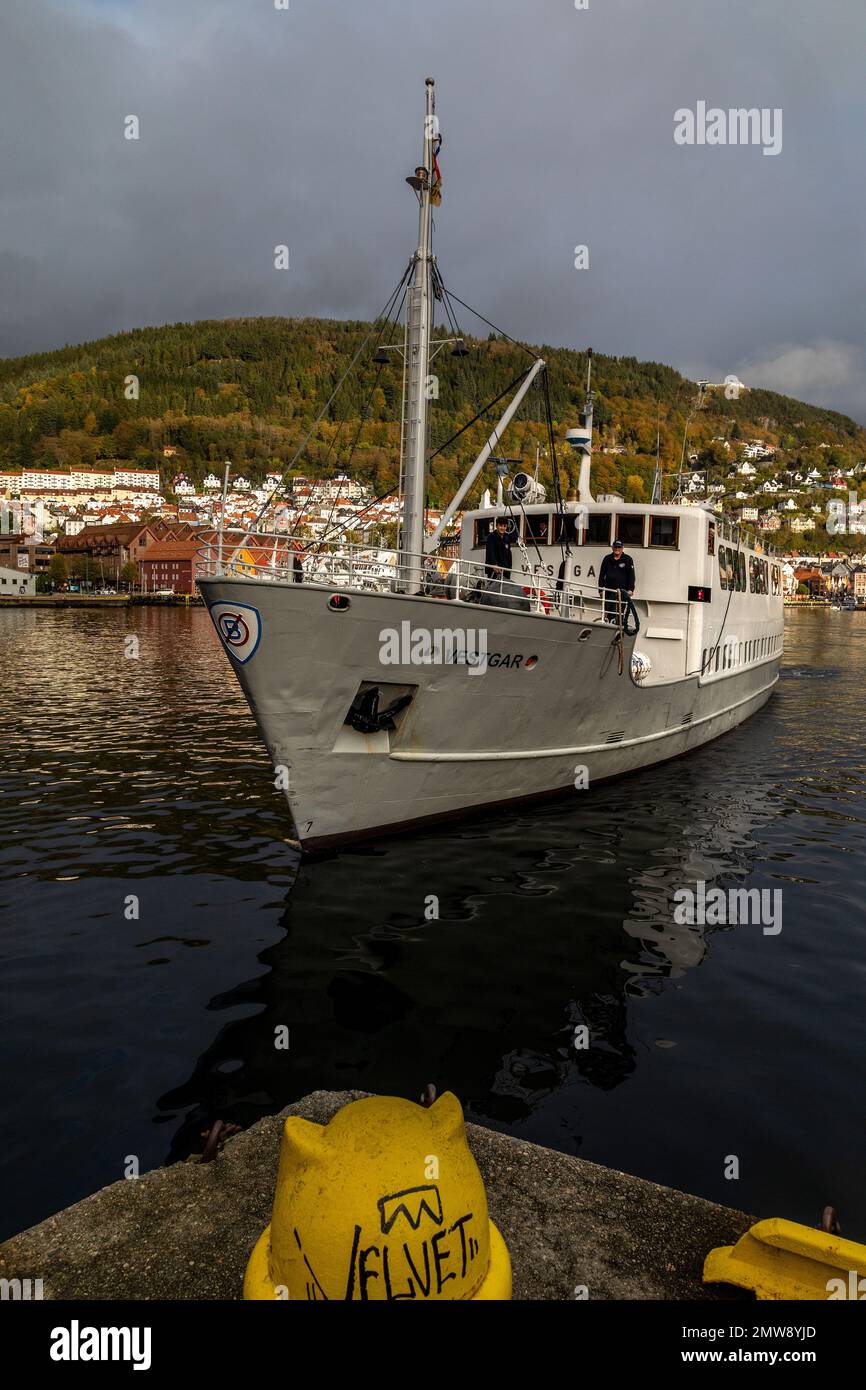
(497, 557)
(617, 572)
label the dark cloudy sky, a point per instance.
(261, 126)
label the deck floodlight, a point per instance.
(418, 180)
(381, 358)
(460, 349)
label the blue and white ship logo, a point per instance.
(240, 628)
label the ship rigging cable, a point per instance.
(383, 315)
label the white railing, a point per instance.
(284, 559)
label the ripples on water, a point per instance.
(146, 778)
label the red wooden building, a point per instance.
(171, 565)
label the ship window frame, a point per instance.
(528, 530)
(711, 538)
(621, 531)
(723, 567)
(480, 542)
(663, 545)
(588, 537)
(565, 522)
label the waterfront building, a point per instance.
(170, 564)
(23, 553)
(16, 583)
(109, 548)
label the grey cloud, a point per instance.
(260, 127)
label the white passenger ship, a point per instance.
(394, 695)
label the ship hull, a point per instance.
(552, 710)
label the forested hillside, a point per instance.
(248, 389)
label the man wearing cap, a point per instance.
(617, 572)
(497, 555)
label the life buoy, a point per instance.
(539, 594)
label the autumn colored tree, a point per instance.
(57, 570)
(251, 389)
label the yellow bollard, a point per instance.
(780, 1259)
(385, 1202)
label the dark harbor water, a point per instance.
(125, 1037)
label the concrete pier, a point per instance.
(64, 601)
(186, 1232)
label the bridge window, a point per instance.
(723, 566)
(486, 524)
(630, 529)
(665, 532)
(537, 527)
(566, 529)
(598, 529)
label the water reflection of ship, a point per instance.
(545, 924)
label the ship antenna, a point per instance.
(656, 497)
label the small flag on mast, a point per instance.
(436, 187)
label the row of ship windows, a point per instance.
(599, 528)
(727, 655)
(732, 573)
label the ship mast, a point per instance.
(581, 439)
(413, 454)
